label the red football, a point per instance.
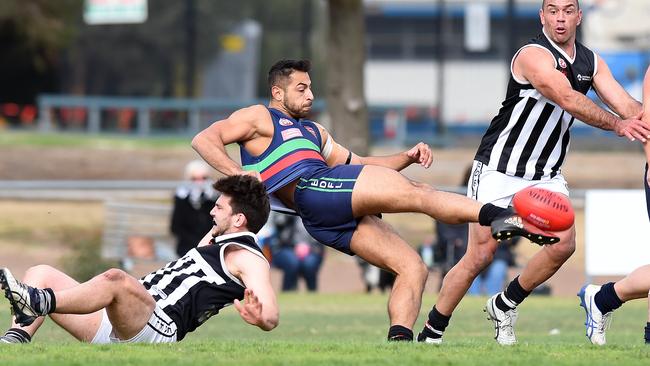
(545, 209)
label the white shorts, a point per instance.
(159, 329)
(487, 185)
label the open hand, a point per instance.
(421, 154)
(633, 128)
(250, 309)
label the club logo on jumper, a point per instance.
(285, 122)
(290, 133)
(561, 62)
(325, 184)
(158, 292)
(583, 78)
(515, 220)
(311, 130)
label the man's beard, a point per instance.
(295, 112)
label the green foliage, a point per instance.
(48, 47)
(350, 330)
(33, 33)
(84, 260)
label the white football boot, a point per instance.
(504, 321)
(596, 322)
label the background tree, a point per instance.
(31, 34)
(346, 102)
(46, 46)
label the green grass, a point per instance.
(80, 140)
(350, 330)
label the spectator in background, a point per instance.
(295, 252)
(426, 250)
(375, 277)
(193, 201)
(452, 239)
(493, 278)
(450, 246)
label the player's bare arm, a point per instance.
(336, 154)
(243, 125)
(259, 306)
(538, 67)
(613, 94)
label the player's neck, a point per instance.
(280, 107)
(569, 48)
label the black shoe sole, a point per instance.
(505, 231)
(535, 238)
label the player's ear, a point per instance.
(277, 93)
(239, 220)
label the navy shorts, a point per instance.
(323, 199)
(647, 190)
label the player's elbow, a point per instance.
(198, 141)
(271, 322)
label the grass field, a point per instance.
(350, 330)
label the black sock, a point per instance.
(52, 304)
(606, 299)
(398, 333)
(488, 213)
(43, 300)
(435, 325)
(16, 335)
(512, 296)
(647, 333)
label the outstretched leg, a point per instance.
(382, 190)
(126, 301)
(378, 244)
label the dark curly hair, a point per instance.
(281, 70)
(247, 196)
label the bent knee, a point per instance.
(40, 270)
(38, 275)
(478, 261)
(114, 275)
(563, 249)
(414, 268)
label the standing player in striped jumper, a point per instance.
(525, 145)
(337, 193)
(599, 302)
(167, 304)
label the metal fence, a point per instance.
(126, 222)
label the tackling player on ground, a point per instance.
(165, 305)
